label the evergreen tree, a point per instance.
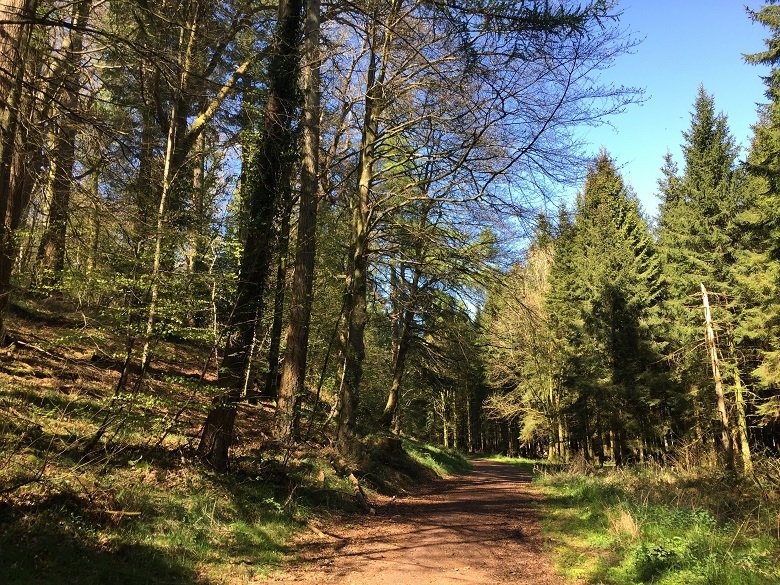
(758, 272)
(604, 285)
(699, 238)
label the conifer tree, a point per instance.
(699, 239)
(604, 285)
(758, 272)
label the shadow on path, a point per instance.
(476, 528)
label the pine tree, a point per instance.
(698, 239)
(604, 285)
(757, 275)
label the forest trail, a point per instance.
(482, 527)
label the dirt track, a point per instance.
(478, 528)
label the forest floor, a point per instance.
(483, 527)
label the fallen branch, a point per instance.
(360, 495)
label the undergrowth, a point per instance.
(99, 486)
(444, 462)
(655, 525)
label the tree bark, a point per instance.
(52, 247)
(296, 349)
(169, 166)
(270, 176)
(744, 443)
(14, 179)
(399, 365)
(406, 303)
(270, 388)
(712, 350)
(356, 313)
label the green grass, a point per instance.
(136, 507)
(132, 527)
(625, 527)
(521, 461)
(443, 462)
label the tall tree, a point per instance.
(525, 363)
(66, 89)
(15, 103)
(294, 369)
(491, 133)
(603, 291)
(269, 176)
(697, 235)
(757, 271)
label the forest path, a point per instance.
(482, 527)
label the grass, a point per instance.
(653, 526)
(184, 529)
(444, 462)
(138, 508)
(537, 464)
(172, 521)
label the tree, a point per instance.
(526, 365)
(490, 135)
(14, 134)
(758, 264)
(603, 292)
(294, 369)
(270, 175)
(697, 238)
(67, 88)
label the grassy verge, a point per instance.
(127, 528)
(536, 464)
(654, 526)
(444, 462)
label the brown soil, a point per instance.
(479, 528)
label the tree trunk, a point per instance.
(561, 440)
(356, 317)
(356, 286)
(356, 314)
(744, 444)
(296, 350)
(399, 365)
(270, 178)
(52, 248)
(94, 246)
(271, 385)
(712, 350)
(169, 173)
(469, 428)
(444, 427)
(217, 435)
(14, 179)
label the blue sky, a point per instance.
(685, 43)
